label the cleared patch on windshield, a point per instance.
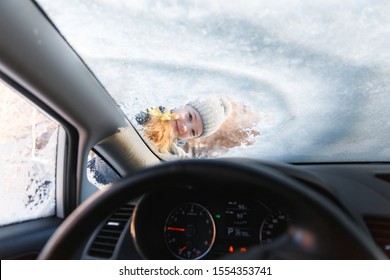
(239, 130)
(201, 128)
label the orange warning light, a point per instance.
(231, 249)
(242, 250)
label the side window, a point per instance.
(99, 172)
(28, 149)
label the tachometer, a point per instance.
(190, 231)
(274, 226)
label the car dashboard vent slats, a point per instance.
(379, 227)
(106, 240)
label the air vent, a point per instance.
(105, 242)
(379, 227)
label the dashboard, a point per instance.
(205, 225)
(198, 210)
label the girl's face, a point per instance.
(189, 124)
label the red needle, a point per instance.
(182, 249)
(176, 228)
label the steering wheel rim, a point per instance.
(66, 241)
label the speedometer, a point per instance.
(189, 231)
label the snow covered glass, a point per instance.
(28, 148)
(99, 172)
(308, 81)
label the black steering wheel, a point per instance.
(324, 231)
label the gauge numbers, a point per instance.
(189, 231)
(274, 226)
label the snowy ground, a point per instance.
(316, 72)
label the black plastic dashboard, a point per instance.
(205, 224)
(234, 221)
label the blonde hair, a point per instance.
(159, 129)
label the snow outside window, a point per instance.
(99, 172)
(28, 149)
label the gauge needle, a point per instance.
(182, 249)
(175, 228)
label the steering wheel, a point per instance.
(323, 231)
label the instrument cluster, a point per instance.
(199, 226)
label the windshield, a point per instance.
(307, 81)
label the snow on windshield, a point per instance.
(315, 73)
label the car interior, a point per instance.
(197, 208)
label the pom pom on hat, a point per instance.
(213, 113)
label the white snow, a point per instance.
(317, 72)
(28, 145)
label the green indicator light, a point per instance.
(218, 216)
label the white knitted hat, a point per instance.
(213, 113)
